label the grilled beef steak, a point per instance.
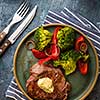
(61, 86)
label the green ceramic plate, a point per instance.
(81, 85)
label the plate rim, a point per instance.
(56, 24)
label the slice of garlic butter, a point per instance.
(46, 84)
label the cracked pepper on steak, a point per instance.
(61, 86)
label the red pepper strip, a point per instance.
(54, 38)
(54, 49)
(36, 53)
(55, 52)
(83, 67)
(39, 54)
(78, 41)
(41, 61)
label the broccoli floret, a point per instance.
(68, 61)
(73, 54)
(42, 38)
(66, 37)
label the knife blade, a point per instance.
(18, 31)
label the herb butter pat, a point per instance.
(46, 84)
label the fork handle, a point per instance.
(5, 31)
(2, 36)
(4, 46)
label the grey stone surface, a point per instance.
(89, 8)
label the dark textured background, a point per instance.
(89, 8)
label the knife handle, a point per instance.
(2, 36)
(4, 46)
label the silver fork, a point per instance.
(18, 16)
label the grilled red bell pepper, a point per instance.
(41, 61)
(78, 41)
(54, 37)
(38, 54)
(55, 51)
(30, 45)
(83, 67)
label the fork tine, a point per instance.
(25, 11)
(23, 8)
(20, 7)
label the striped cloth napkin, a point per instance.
(65, 17)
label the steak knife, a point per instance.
(17, 32)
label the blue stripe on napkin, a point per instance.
(80, 19)
(14, 92)
(65, 17)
